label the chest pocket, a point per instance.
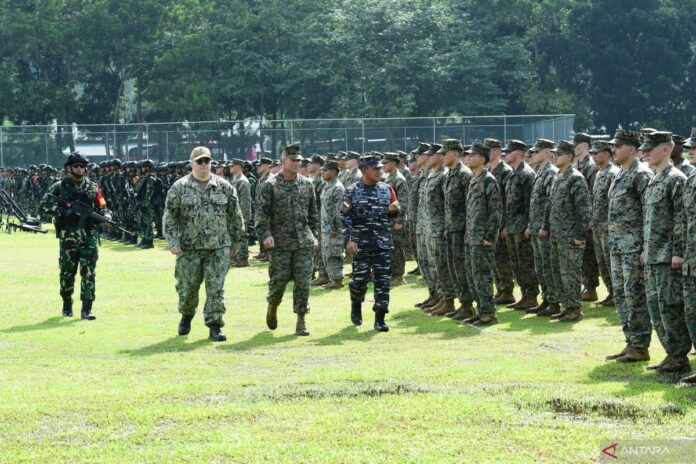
(656, 195)
(190, 202)
(219, 201)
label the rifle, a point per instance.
(86, 212)
(11, 208)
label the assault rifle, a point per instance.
(10, 208)
(87, 213)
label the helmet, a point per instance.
(117, 163)
(148, 163)
(76, 157)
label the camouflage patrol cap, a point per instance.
(514, 145)
(371, 161)
(305, 162)
(647, 130)
(200, 153)
(353, 155)
(331, 164)
(318, 160)
(626, 137)
(267, 161)
(402, 154)
(492, 143)
(391, 157)
(332, 156)
(600, 145)
(421, 148)
(581, 137)
(691, 141)
(237, 162)
(276, 162)
(451, 145)
(434, 148)
(341, 155)
(293, 151)
(565, 148)
(654, 139)
(478, 148)
(542, 144)
(677, 139)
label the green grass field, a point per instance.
(127, 389)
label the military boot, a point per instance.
(634, 355)
(215, 333)
(553, 309)
(433, 303)
(574, 315)
(336, 283)
(272, 316)
(380, 325)
(356, 313)
(527, 302)
(680, 364)
(611, 357)
(141, 244)
(67, 307)
(426, 301)
(323, 279)
(486, 319)
(544, 304)
(396, 281)
(185, 324)
(148, 244)
(242, 263)
(300, 327)
(416, 271)
(689, 379)
(504, 298)
(86, 312)
(445, 306)
(133, 240)
(590, 294)
(464, 312)
(470, 320)
(665, 361)
(608, 301)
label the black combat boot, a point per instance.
(216, 334)
(87, 311)
(67, 307)
(356, 313)
(133, 240)
(147, 244)
(185, 324)
(380, 325)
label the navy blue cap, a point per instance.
(371, 161)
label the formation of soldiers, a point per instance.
(553, 218)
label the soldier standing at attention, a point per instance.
(145, 196)
(288, 222)
(689, 267)
(663, 255)
(264, 170)
(365, 212)
(78, 246)
(398, 183)
(566, 224)
(243, 187)
(316, 175)
(202, 224)
(483, 218)
(331, 236)
(677, 157)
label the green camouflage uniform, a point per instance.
(625, 221)
(541, 189)
(287, 212)
(502, 271)
(436, 243)
(398, 183)
(664, 238)
(689, 268)
(590, 270)
(319, 264)
(456, 189)
(144, 192)
(412, 217)
(483, 219)
(243, 187)
(567, 219)
(600, 226)
(331, 236)
(205, 222)
(423, 232)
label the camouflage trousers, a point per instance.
(319, 263)
(411, 235)
(439, 270)
(542, 269)
(566, 267)
(690, 305)
(242, 247)
(287, 265)
(502, 271)
(380, 263)
(78, 250)
(422, 259)
(147, 218)
(601, 246)
(664, 292)
(522, 260)
(628, 282)
(192, 268)
(456, 264)
(398, 263)
(479, 273)
(332, 256)
(159, 213)
(590, 269)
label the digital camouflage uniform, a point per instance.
(331, 229)
(423, 232)
(319, 262)
(590, 269)
(398, 183)
(205, 222)
(243, 188)
(144, 192)
(457, 181)
(600, 226)
(503, 266)
(288, 212)
(436, 243)
(625, 221)
(689, 267)
(541, 189)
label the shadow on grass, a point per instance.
(519, 321)
(423, 323)
(50, 323)
(261, 339)
(347, 333)
(176, 344)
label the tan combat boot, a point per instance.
(336, 283)
(433, 303)
(323, 279)
(553, 309)
(680, 364)
(486, 319)
(654, 367)
(590, 294)
(504, 298)
(464, 312)
(527, 302)
(300, 327)
(634, 355)
(544, 304)
(426, 301)
(574, 315)
(241, 263)
(446, 306)
(612, 357)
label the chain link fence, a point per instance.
(252, 138)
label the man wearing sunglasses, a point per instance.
(202, 224)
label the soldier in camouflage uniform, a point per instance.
(243, 187)
(566, 224)
(517, 197)
(423, 228)
(317, 175)
(541, 189)
(483, 219)
(502, 271)
(288, 222)
(145, 193)
(413, 205)
(601, 153)
(678, 158)
(331, 240)
(588, 168)
(365, 217)
(78, 246)
(264, 171)
(202, 224)
(689, 266)
(131, 214)
(456, 189)
(397, 182)
(663, 225)
(625, 221)
(351, 174)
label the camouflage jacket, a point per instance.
(144, 191)
(398, 183)
(413, 187)
(689, 268)
(365, 215)
(600, 197)
(663, 225)
(406, 172)
(423, 219)
(483, 210)
(288, 212)
(589, 170)
(202, 218)
(331, 198)
(86, 191)
(626, 206)
(541, 188)
(685, 167)
(456, 187)
(243, 187)
(350, 176)
(318, 183)
(502, 173)
(568, 210)
(435, 201)
(518, 194)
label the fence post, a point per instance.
(147, 141)
(166, 138)
(46, 142)
(362, 124)
(345, 139)
(434, 131)
(2, 153)
(504, 128)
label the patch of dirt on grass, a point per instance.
(610, 408)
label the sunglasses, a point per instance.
(203, 161)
